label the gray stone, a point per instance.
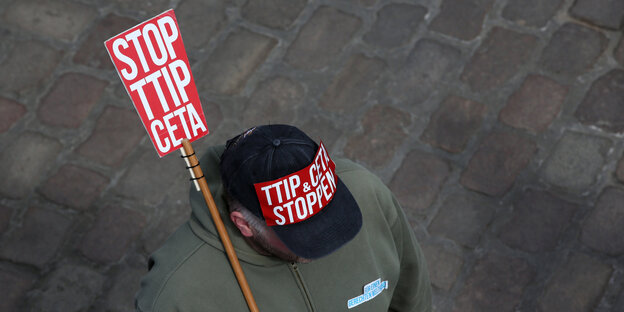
(531, 12)
(26, 66)
(320, 128)
(498, 161)
(429, 65)
(620, 170)
(352, 85)
(575, 286)
(149, 167)
(454, 123)
(573, 49)
(114, 230)
(71, 288)
(604, 228)
(200, 21)
(535, 105)
(5, 218)
(212, 113)
(147, 8)
(604, 13)
(443, 265)
(395, 24)
(71, 99)
(496, 284)
(62, 20)
(461, 18)
(576, 161)
(13, 287)
(273, 102)
(116, 133)
(384, 131)
(232, 63)
(538, 220)
(120, 297)
(322, 39)
(74, 186)
(274, 13)
(602, 106)
(487, 70)
(10, 113)
(417, 182)
(463, 217)
(26, 162)
(619, 52)
(37, 240)
(91, 52)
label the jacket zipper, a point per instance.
(307, 298)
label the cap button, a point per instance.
(276, 142)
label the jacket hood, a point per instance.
(201, 221)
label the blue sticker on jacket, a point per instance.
(371, 290)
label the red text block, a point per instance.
(151, 61)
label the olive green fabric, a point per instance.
(190, 272)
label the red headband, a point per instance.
(299, 195)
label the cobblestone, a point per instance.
(200, 21)
(462, 218)
(395, 24)
(114, 230)
(576, 285)
(321, 39)
(576, 161)
(619, 52)
(273, 102)
(604, 13)
(587, 45)
(71, 100)
(5, 218)
(531, 12)
(538, 220)
(535, 105)
(26, 65)
(116, 133)
(445, 100)
(228, 68)
(25, 162)
(91, 52)
(275, 13)
(428, 65)
(461, 18)
(417, 182)
(444, 265)
(498, 161)
(10, 113)
(486, 70)
(38, 239)
(74, 186)
(454, 123)
(383, 133)
(351, 86)
(61, 20)
(602, 104)
(601, 230)
(70, 288)
(496, 284)
(13, 286)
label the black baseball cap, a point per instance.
(269, 152)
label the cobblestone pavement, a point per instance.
(497, 123)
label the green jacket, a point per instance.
(191, 272)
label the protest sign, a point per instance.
(151, 61)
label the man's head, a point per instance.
(285, 196)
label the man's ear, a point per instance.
(243, 226)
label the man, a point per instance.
(311, 235)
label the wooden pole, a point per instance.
(189, 154)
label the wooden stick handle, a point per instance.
(189, 153)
